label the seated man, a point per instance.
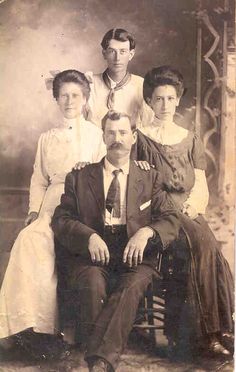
(112, 220)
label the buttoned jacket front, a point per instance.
(82, 209)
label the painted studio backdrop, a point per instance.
(40, 37)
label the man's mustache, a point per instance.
(116, 145)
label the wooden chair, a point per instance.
(162, 306)
(151, 313)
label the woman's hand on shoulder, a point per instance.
(80, 165)
(189, 211)
(31, 218)
(144, 165)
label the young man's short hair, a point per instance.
(118, 34)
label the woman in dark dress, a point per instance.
(179, 155)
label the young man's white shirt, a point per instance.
(128, 99)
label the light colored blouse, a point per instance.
(59, 149)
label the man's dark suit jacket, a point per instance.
(82, 209)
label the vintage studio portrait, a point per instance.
(117, 185)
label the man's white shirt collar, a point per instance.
(109, 168)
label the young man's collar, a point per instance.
(113, 83)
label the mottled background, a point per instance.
(40, 36)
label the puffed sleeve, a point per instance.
(198, 153)
(40, 179)
(199, 194)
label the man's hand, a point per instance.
(80, 165)
(31, 218)
(133, 253)
(144, 165)
(98, 250)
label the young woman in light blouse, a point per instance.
(179, 155)
(28, 294)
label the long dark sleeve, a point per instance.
(66, 225)
(165, 219)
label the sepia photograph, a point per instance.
(117, 185)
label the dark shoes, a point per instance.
(227, 340)
(39, 346)
(100, 365)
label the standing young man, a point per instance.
(116, 88)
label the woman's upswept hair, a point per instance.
(163, 75)
(71, 76)
(118, 34)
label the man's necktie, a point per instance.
(121, 84)
(113, 196)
